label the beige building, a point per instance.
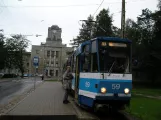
(52, 54)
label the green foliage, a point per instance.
(104, 22)
(159, 4)
(101, 27)
(86, 30)
(146, 91)
(16, 46)
(145, 108)
(146, 42)
(3, 51)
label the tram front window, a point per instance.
(114, 60)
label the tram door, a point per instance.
(77, 78)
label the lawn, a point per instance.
(145, 108)
(145, 91)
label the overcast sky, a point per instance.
(31, 17)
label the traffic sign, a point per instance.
(36, 61)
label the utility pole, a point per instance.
(123, 20)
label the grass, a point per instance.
(145, 108)
(145, 91)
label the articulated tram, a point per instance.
(102, 72)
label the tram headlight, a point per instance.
(103, 90)
(126, 90)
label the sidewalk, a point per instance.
(47, 99)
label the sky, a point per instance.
(31, 17)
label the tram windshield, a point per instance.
(114, 57)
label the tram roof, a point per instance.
(113, 39)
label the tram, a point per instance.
(102, 72)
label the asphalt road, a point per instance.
(15, 87)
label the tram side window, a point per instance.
(86, 62)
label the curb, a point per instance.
(80, 115)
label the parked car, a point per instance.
(40, 75)
(25, 75)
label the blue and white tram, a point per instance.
(102, 72)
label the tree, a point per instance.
(116, 31)
(133, 33)
(86, 30)
(2, 51)
(16, 46)
(159, 4)
(103, 26)
(145, 36)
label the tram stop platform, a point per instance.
(47, 99)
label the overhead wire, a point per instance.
(1, 9)
(29, 6)
(5, 6)
(98, 7)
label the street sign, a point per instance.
(36, 61)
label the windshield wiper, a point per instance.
(111, 68)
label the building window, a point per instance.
(57, 54)
(52, 53)
(56, 64)
(51, 72)
(37, 51)
(47, 63)
(56, 72)
(27, 64)
(54, 37)
(48, 53)
(52, 63)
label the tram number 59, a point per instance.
(116, 86)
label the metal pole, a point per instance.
(123, 20)
(44, 61)
(35, 78)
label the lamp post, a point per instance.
(43, 57)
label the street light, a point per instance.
(43, 57)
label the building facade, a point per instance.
(52, 54)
